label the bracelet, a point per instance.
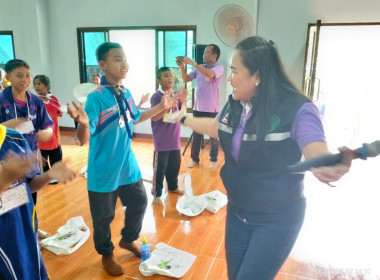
(183, 119)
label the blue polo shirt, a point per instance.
(10, 108)
(111, 162)
(20, 256)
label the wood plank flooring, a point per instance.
(202, 236)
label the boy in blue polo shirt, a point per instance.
(107, 122)
(166, 137)
(20, 256)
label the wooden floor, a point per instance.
(202, 236)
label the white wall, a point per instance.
(64, 17)
(284, 22)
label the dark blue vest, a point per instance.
(258, 182)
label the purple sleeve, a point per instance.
(155, 99)
(307, 126)
(218, 70)
(193, 74)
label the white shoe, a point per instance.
(192, 164)
(213, 164)
(53, 182)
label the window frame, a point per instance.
(13, 41)
(81, 47)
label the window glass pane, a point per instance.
(91, 41)
(190, 42)
(175, 44)
(140, 50)
(6, 49)
(160, 50)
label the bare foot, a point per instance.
(130, 247)
(157, 200)
(179, 191)
(111, 266)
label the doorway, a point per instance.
(341, 230)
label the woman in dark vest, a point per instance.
(265, 126)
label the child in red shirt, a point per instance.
(51, 151)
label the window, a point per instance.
(147, 49)
(89, 41)
(170, 45)
(6, 47)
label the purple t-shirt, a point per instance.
(207, 90)
(307, 128)
(166, 135)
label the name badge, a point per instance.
(13, 198)
(128, 116)
(121, 122)
(26, 127)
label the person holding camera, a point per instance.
(207, 78)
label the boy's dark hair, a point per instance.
(215, 50)
(13, 64)
(96, 75)
(44, 79)
(103, 49)
(160, 71)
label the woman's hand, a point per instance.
(181, 113)
(328, 174)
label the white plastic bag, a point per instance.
(191, 205)
(168, 261)
(188, 204)
(215, 201)
(68, 238)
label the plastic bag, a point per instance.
(188, 204)
(68, 238)
(168, 261)
(215, 201)
(191, 205)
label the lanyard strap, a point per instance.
(120, 99)
(27, 106)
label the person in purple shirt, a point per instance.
(166, 137)
(208, 77)
(265, 126)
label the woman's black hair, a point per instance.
(259, 55)
(44, 79)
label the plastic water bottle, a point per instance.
(145, 250)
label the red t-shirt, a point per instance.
(52, 106)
